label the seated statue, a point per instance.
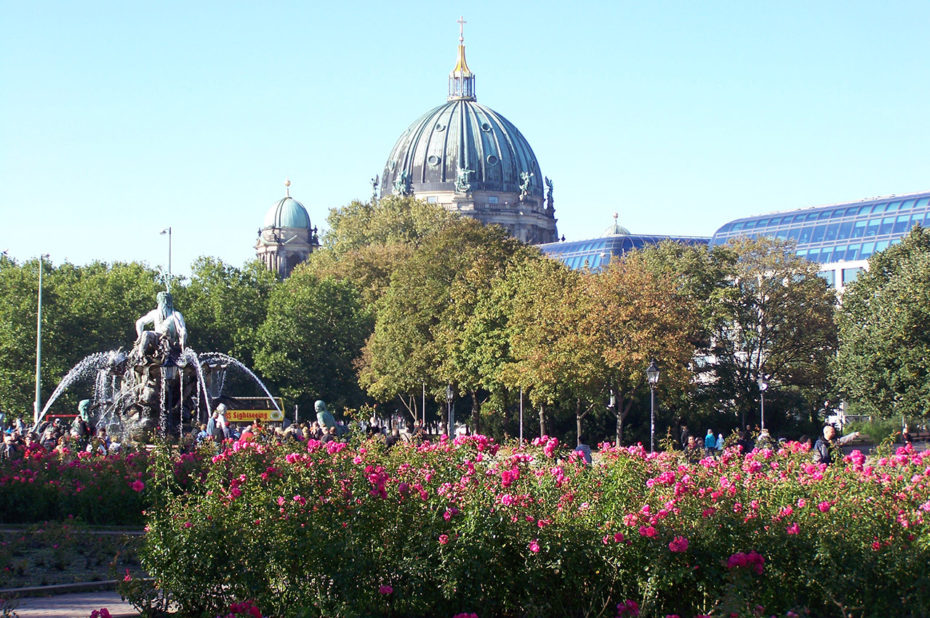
(168, 326)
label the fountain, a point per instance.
(160, 385)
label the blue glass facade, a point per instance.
(837, 233)
(595, 253)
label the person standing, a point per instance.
(822, 447)
(710, 443)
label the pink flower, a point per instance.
(824, 506)
(627, 608)
(443, 539)
(534, 546)
(679, 544)
(793, 528)
(127, 577)
(647, 531)
(136, 485)
(385, 590)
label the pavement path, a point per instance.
(75, 605)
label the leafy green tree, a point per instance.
(314, 330)
(85, 309)
(633, 315)
(367, 241)
(18, 290)
(883, 361)
(555, 360)
(391, 220)
(224, 306)
(431, 295)
(778, 324)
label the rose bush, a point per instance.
(470, 527)
(92, 488)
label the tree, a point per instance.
(314, 330)
(634, 315)
(85, 309)
(367, 241)
(778, 325)
(554, 359)
(224, 306)
(883, 361)
(421, 313)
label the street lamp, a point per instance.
(38, 400)
(167, 231)
(449, 409)
(652, 374)
(762, 386)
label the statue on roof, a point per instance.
(525, 178)
(549, 199)
(402, 184)
(461, 180)
(374, 189)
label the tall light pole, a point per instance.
(762, 386)
(521, 416)
(167, 231)
(652, 374)
(449, 410)
(38, 400)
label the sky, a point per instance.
(119, 119)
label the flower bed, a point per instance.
(93, 489)
(464, 527)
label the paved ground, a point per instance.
(79, 605)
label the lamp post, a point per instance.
(762, 386)
(521, 416)
(652, 374)
(38, 400)
(449, 409)
(167, 231)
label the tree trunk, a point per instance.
(578, 417)
(475, 414)
(542, 421)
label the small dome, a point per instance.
(615, 228)
(287, 212)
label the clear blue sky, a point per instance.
(120, 118)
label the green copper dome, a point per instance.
(287, 212)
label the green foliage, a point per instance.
(883, 362)
(421, 315)
(224, 306)
(85, 309)
(776, 320)
(314, 330)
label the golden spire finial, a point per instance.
(461, 79)
(287, 187)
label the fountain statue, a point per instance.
(160, 385)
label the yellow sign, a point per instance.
(239, 416)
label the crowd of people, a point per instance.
(56, 436)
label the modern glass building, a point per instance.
(840, 237)
(595, 253)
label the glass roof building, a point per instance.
(595, 253)
(840, 237)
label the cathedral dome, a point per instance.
(462, 146)
(469, 159)
(287, 212)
